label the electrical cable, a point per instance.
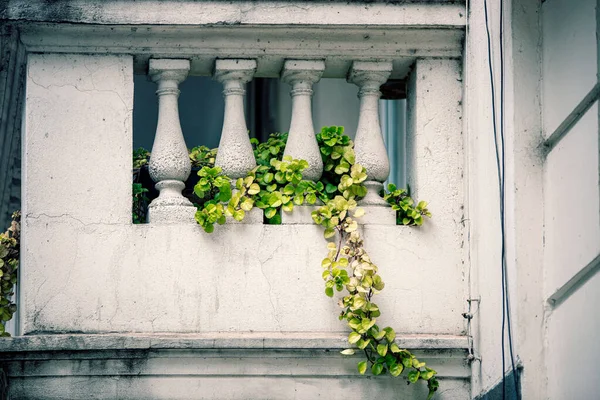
(506, 322)
(503, 209)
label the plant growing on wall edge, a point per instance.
(9, 262)
(276, 185)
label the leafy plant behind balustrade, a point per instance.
(276, 185)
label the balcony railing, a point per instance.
(170, 165)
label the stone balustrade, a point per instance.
(170, 166)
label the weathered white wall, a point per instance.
(572, 198)
(572, 219)
(240, 278)
(573, 345)
(77, 160)
(482, 210)
(524, 195)
(569, 48)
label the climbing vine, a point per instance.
(276, 185)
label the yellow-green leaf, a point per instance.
(353, 337)
(362, 367)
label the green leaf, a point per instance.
(247, 204)
(377, 369)
(288, 189)
(390, 335)
(329, 291)
(239, 215)
(353, 337)
(329, 232)
(329, 188)
(382, 349)
(254, 189)
(270, 212)
(298, 199)
(413, 376)
(394, 348)
(348, 352)
(268, 177)
(396, 369)
(362, 367)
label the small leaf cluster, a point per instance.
(282, 187)
(9, 262)
(337, 152)
(140, 157)
(272, 188)
(213, 189)
(272, 148)
(406, 211)
(140, 203)
(202, 156)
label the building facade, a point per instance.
(502, 140)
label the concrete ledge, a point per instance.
(216, 366)
(215, 340)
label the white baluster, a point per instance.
(302, 142)
(235, 155)
(169, 164)
(368, 142)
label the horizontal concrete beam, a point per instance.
(214, 340)
(116, 12)
(217, 366)
(270, 45)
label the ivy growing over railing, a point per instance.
(276, 185)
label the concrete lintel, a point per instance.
(270, 45)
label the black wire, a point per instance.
(506, 323)
(495, 129)
(502, 207)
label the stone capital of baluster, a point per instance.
(370, 75)
(168, 70)
(304, 73)
(234, 70)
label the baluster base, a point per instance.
(377, 210)
(170, 206)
